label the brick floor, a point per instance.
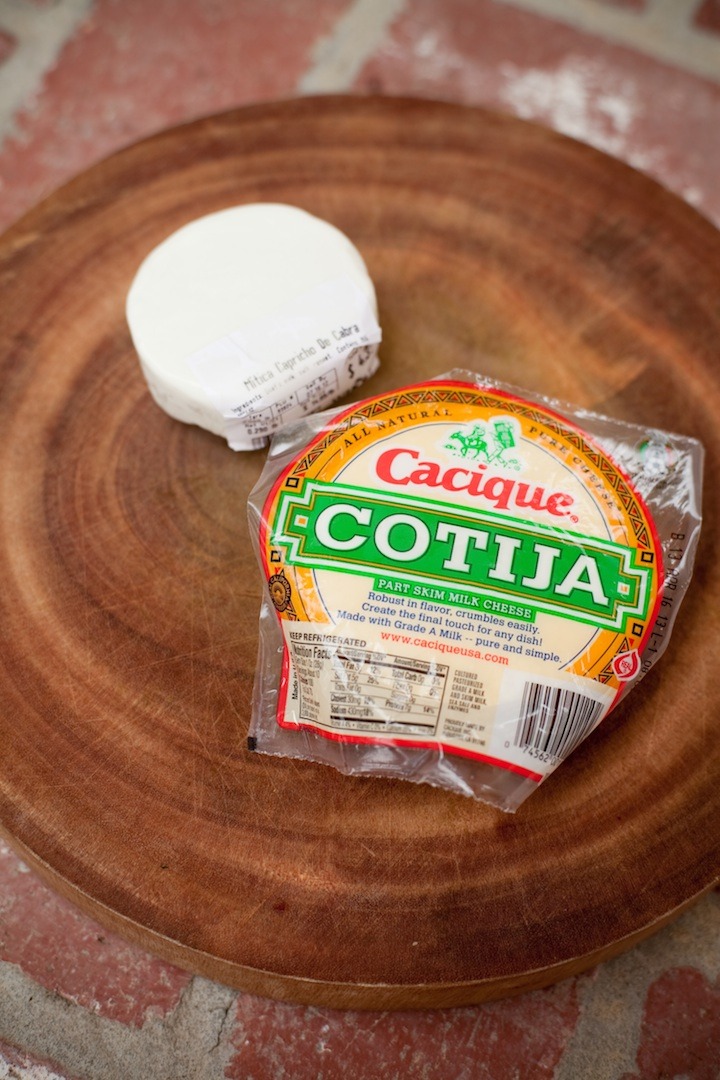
(681, 1028)
(632, 78)
(631, 5)
(523, 1039)
(656, 118)
(72, 956)
(8, 44)
(707, 16)
(15, 1064)
(148, 69)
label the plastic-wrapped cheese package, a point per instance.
(462, 580)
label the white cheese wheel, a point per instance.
(218, 274)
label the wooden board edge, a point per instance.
(318, 993)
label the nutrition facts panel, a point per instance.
(353, 689)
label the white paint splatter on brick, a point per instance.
(663, 29)
(427, 45)
(21, 1068)
(40, 41)
(574, 99)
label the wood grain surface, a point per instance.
(130, 594)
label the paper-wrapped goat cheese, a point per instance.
(251, 316)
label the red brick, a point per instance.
(681, 1028)
(523, 1038)
(652, 115)
(707, 16)
(632, 5)
(63, 950)
(136, 67)
(19, 1064)
(8, 44)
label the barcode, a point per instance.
(554, 720)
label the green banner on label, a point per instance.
(356, 530)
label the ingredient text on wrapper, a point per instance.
(320, 346)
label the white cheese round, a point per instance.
(219, 274)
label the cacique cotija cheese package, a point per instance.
(462, 580)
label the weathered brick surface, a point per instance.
(654, 117)
(681, 1028)
(707, 16)
(132, 68)
(136, 67)
(66, 952)
(8, 44)
(631, 5)
(17, 1065)
(522, 1038)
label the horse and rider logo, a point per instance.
(487, 442)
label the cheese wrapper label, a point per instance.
(462, 582)
(317, 347)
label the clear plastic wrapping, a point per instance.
(462, 580)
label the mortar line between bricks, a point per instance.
(41, 35)
(584, 1055)
(186, 1044)
(339, 57)
(663, 31)
(613, 996)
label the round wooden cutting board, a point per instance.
(130, 592)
